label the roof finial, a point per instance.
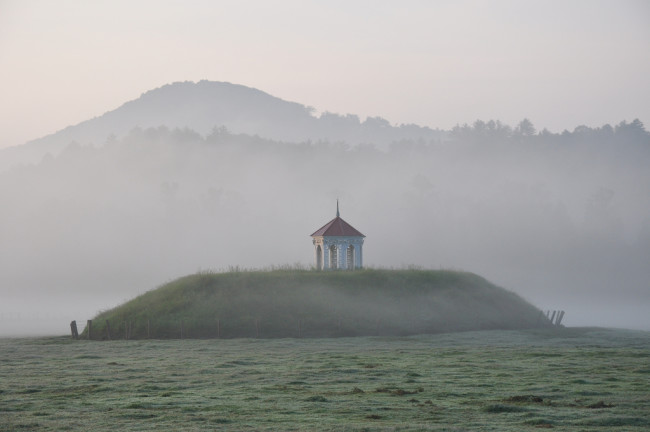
(337, 208)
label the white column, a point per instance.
(359, 255)
(326, 256)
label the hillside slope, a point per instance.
(295, 303)
(206, 105)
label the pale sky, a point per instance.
(435, 63)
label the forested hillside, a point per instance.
(206, 105)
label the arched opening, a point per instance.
(319, 258)
(334, 257)
(350, 257)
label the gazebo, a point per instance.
(338, 245)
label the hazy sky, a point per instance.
(434, 63)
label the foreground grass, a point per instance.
(565, 379)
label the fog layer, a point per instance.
(563, 220)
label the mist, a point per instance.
(561, 219)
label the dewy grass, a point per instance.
(487, 381)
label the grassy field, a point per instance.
(564, 379)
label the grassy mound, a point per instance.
(302, 303)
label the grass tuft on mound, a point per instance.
(304, 303)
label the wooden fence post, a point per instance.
(559, 318)
(90, 329)
(108, 330)
(553, 316)
(219, 329)
(73, 329)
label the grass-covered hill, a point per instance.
(301, 303)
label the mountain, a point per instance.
(206, 105)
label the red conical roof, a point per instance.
(337, 227)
